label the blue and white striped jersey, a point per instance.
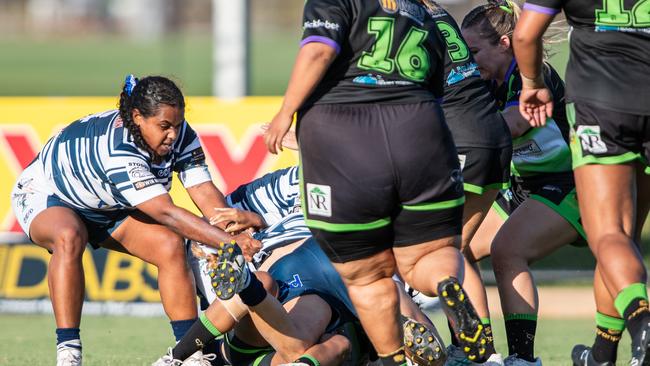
(94, 165)
(273, 196)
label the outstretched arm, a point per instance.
(536, 100)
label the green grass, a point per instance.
(30, 340)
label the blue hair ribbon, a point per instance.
(129, 84)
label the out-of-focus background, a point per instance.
(63, 59)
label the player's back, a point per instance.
(388, 50)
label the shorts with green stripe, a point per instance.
(606, 137)
(375, 176)
(556, 190)
(485, 168)
(238, 353)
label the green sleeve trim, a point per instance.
(310, 358)
(247, 350)
(520, 317)
(485, 321)
(436, 205)
(500, 211)
(609, 322)
(260, 358)
(568, 210)
(473, 188)
(631, 292)
(342, 228)
(208, 325)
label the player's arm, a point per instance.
(536, 100)
(517, 124)
(207, 197)
(312, 63)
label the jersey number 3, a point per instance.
(412, 59)
(614, 14)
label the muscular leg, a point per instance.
(523, 239)
(144, 238)
(374, 295)
(61, 231)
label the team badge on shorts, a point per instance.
(590, 140)
(319, 200)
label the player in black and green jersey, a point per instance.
(382, 184)
(542, 180)
(607, 85)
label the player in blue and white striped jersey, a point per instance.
(104, 180)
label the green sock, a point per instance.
(520, 331)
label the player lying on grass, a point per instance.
(304, 280)
(104, 180)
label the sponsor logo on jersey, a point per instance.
(198, 156)
(590, 139)
(319, 200)
(144, 183)
(161, 173)
(139, 172)
(378, 80)
(529, 147)
(389, 6)
(462, 72)
(317, 23)
(415, 11)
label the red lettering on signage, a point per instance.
(234, 171)
(23, 152)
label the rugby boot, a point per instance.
(423, 345)
(513, 360)
(640, 345)
(228, 272)
(463, 318)
(167, 360)
(582, 355)
(456, 357)
(69, 353)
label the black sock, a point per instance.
(309, 360)
(606, 344)
(200, 333)
(397, 358)
(520, 330)
(636, 315)
(254, 293)
(454, 340)
(489, 345)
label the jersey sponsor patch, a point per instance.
(139, 172)
(198, 156)
(144, 183)
(529, 147)
(590, 139)
(319, 200)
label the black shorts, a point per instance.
(376, 176)
(601, 136)
(485, 168)
(555, 190)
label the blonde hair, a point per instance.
(493, 20)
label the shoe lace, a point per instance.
(200, 359)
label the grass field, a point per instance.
(30, 340)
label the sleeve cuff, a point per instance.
(321, 39)
(541, 9)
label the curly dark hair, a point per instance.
(147, 96)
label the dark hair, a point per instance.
(495, 19)
(146, 95)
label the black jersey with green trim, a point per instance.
(469, 107)
(544, 149)
(609, 64)
(388, 51)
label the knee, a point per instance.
(70, 242)
(170, 249)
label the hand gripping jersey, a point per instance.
(609, 63)
(470, 110)
(388, 51)
(94, 166)
(544, 149)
